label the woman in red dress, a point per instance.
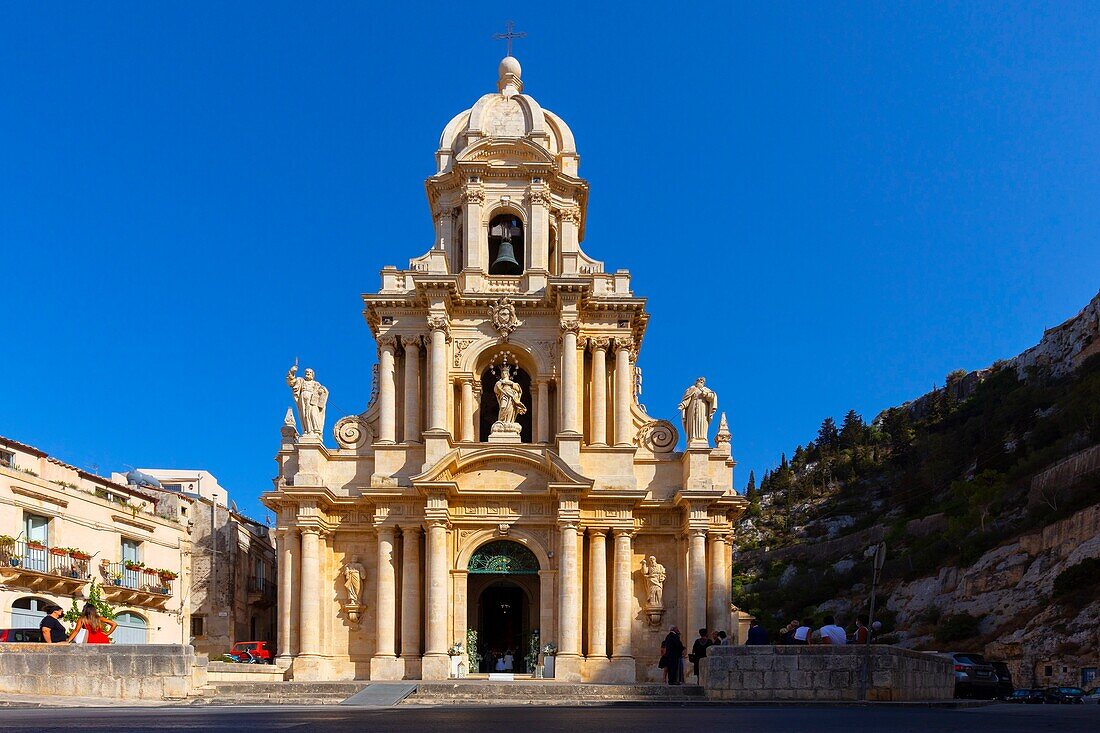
(97, 629)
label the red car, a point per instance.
(258, 649)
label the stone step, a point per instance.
(547, 692)
(282, 693)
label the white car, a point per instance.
(1092, 697)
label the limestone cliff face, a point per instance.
(1065, 347)
(983, 533)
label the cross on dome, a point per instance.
(508, 35)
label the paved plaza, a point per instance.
(744, 719)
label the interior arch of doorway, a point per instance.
(481, 537)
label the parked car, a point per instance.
(257, 649)
(1027, 697)
(1004, 680)
(974, 677)
(1092, 697)
(1064, 695)
(21, 635)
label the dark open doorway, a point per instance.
(501, 624)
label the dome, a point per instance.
(508, 114)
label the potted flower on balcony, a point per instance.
(59, 551)
(133, 565)
(79, 554)
(35, 545)
(7, 550)
(116, 578)
(167, 575)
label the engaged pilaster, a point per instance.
(719, 586)
(289, 548)
(597, 592)
(387, 388)
(436, 664)
(542, 411)
(623, 607)
(697, 579)
(598, 347)
(309, 633)
(468, 433)
(440, 328)
(624, 392)
(410, 594)
(412, 388)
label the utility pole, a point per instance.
(878, 557)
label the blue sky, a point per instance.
(862, 198)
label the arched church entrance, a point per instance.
(503, 592)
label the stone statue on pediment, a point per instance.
(509, 397)
(697, 408)
(311, 398)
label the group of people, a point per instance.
(673, 653)
(798, 633)
(503, 662)
(90, 628)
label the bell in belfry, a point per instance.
(506, 263)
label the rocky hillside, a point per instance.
(986, 494)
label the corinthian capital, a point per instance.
(570, 325)
(387, 340)
(571, 214)
(598, 343)
(410, 342)
(473, 196)
(623, 342)
(539, 197)
(439, 323)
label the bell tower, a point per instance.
(506, 198)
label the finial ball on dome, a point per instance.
(509, 65)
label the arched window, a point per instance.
(132, 629)
(27, 612)
(505, 245)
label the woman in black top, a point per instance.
(53, 632)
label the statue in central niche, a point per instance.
(509, 397)
(510, 406)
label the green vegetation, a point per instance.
(95, 597)
(1083, 575)
(958, 627)
(966, 460)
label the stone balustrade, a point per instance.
(109, 671)
(826, 673)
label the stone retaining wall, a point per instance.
(122, 671)
(825, 673)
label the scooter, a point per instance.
(246, 658)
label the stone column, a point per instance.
(385, 608)
(597, 592)
(624, 392)
(718, 588)
(412, 388)
(437, 397)
(387, 388)
(623, 607)
(289, 548)
(410, 593)
(547, 630)
(309, 633)
(468, 434)
(542, 411)
(569, 594)
(599, 389)
(435, 655)
(569, 375)
(697, 581)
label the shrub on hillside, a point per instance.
(957, 627)
(1077, 577)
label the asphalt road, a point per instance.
(334, 719)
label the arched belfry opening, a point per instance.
(489, 408)
(506, 245)
(504, 597)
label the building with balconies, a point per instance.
(63, 529)
(232, 593)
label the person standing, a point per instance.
(757, 636)
(53, 631)
(862, 634)
(672, 656)
(831, 633)
(698, 652)
(98, 629)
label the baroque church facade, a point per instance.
(504, 479)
